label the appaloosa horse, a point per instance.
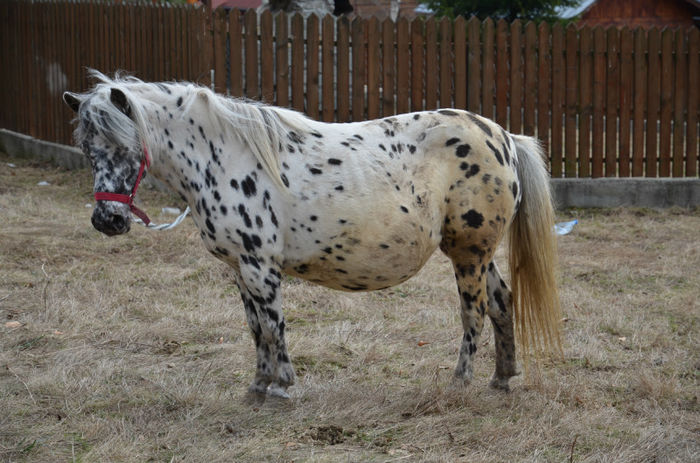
(356, 207)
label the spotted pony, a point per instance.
(355, 207)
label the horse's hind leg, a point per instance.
(471, 282)
(260, 291)
(501, 313)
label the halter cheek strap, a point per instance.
(129, 199)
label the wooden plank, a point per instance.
(159, 45)
(640, 97)
(558, 87)
(235, 53)
(599, 82)
(502, 73)
(417, 64)
(666, 103)
(267, 66)
(34, 89)
(6, 33)
(183, 52)
(343, 74)
(431, 63)
(530, 62)
(691, 140)
(516, 77)
(312, 66)
(252, 88)
(282, 59)
(679, 104)
(474, 64)
(571, 102)
(446, 60)
(298, 62)
(402, 66)
(460, 65)
(544, 87)
(612, 102)
(388, 68)
(488, 70)
(219, 39)
(373, 68)
(359, 63)
(327, 73)
(173, 39)
(626, 86)
(586, 98)
(653, 102)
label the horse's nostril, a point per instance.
(118, 222)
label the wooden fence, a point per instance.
(605, 102)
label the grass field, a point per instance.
(135, 348)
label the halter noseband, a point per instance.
(129, 199)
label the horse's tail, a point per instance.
(533, 256)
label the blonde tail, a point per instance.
(533, 257)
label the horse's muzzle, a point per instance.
(110, 222)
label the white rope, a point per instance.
(163, 226)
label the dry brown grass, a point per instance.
(135, 349)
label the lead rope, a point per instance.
(163, 226)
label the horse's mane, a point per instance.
(260, 126)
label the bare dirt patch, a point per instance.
(135, 348)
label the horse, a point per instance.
(355, 206)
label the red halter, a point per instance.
(129, 199)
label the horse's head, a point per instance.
(108, 136)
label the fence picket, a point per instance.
(640, 97)
(282, 59)
(666, 103)
(446, 60)
(403, 65)
(488, 68)
(502, 73)
(544, 87)
(312, 65)
(599, 87)
(373, 68)
(343, 70)
(327, 73)
(654, 82)
(558, 88)
(691, 142)
(388, 67)
(267, 52)
(474, 65)
(416, 54)
(679, 103)
(571, 102)
(431, 64)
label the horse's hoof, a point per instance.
(500, 384)
(275, 390)
(257, 388)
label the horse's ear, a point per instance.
(119, 99)
(72, 100)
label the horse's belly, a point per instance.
(373, 259)
(361, 272)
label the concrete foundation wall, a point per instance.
(585, 192)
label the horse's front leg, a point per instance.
(262, 299)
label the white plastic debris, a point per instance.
(43, 183)
(171, 210)
(9, 164)
(564, 228)
(88, 205)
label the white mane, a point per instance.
(261, 127)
